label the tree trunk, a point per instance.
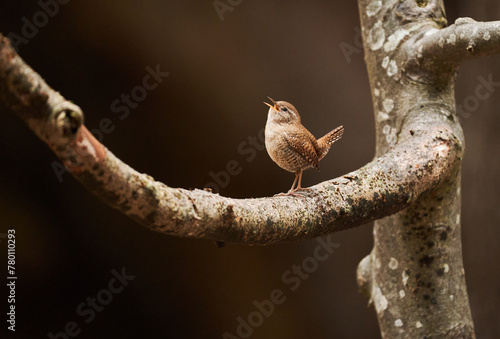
(414, 275)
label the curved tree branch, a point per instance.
(464, 40)
(427, 152)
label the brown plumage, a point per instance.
(291, 145)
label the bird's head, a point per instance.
(282, 112)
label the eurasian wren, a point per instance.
(291, 145)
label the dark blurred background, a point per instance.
(196, 121)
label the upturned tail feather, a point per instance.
(326, 141)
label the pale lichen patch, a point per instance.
(390, 134)
(376, 36)
(373, 8)
(392, 69)
(398, 323)
(379, 299)
(402, 294)
(376, 92)
(388, 105)
(405, 278)
(419, 51)
(393, 264)
(391, 137)
(382, 116)
(443, 150)
(487, 36)
(452, 39)
(385, 62)
(394, 39)
(418, 324)
(446, 268)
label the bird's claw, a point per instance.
(295, 192)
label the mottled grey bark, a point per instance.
(414, 275)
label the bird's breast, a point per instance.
(280, 151)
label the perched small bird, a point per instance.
(291, 145)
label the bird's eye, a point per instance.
(284, 109)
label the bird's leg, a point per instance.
(298, 181)
(290, 192)
(298, 176)
(294, 182)
(299, 185)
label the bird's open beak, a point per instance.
(275, 105)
